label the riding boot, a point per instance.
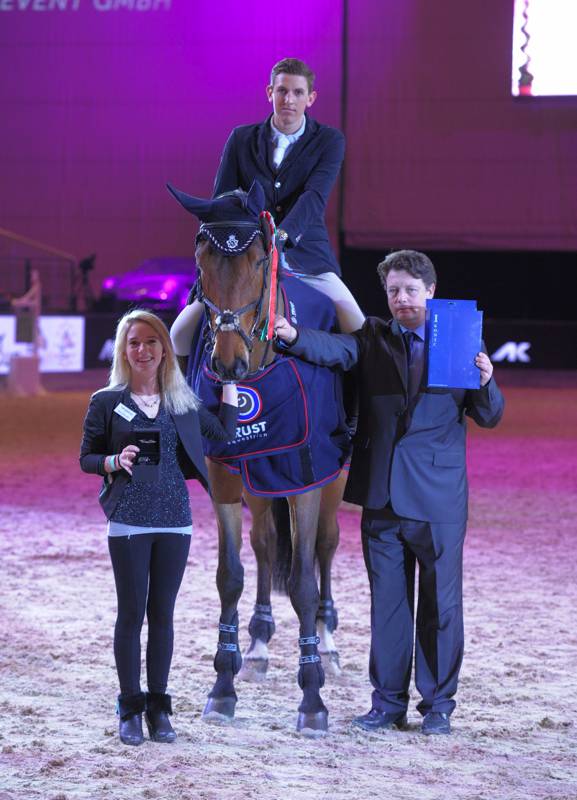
(158, 708)
(129, 709)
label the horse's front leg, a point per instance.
(304, 596)
(327, 541)
(226, 492)
(261, 626)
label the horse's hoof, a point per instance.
(219, 710)
(331, 663)
(313, 725)
(253, 670)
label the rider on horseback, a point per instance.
(296, 160)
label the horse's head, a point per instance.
(233, 289)
(232, 259)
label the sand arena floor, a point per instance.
(515, 734)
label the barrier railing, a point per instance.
(57, 270)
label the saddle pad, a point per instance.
(292, 435)
(289, 473)
(273, 412)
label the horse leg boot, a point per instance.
(222, 698)
(327, 542)
(304, 595)
(261, 626)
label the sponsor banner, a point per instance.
(74, 343)
(100, 330)
(521, 344)
(60, 343)
(531, 345)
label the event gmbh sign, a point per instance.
(76, 5)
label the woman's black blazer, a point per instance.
(106, 432)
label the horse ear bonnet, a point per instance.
(230, 221)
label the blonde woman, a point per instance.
(149, 521)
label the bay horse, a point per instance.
(238, 283)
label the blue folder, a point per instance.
(453, 334)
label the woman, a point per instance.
(149, 518)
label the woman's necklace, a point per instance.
(152, 402)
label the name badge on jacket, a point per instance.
(124, 412)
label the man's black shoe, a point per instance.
(380, 720)
(436, 722)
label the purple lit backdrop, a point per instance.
(100, 108)
(442, 154)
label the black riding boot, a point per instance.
(158, 708)
(130, 708)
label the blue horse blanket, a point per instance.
(291, 435)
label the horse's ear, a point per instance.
(196, 205)
(255, 199)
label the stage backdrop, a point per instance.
(103, 101)
(440, 155)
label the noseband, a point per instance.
(227, 320)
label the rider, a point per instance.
(296, 160)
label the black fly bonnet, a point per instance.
(230, 221)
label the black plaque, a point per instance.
(145, 466)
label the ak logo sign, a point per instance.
(513, 351)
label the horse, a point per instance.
(239, 285)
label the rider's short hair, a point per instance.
(293, 66)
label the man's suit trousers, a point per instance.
(392, 547)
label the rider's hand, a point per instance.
(283, 330)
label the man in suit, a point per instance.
(408, 472)
(296, 160)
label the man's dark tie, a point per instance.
(414, 363)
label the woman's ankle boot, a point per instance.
(130, 708)
(158, 708)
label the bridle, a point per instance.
(228, 320)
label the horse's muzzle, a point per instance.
(233, 372)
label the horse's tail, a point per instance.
(284, 549)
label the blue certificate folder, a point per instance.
(453, 335)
